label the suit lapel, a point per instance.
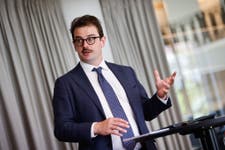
(82, 80)
(128, 86)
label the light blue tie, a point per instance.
(115, 106)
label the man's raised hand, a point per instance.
(163, 85)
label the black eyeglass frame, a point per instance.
(89, 40)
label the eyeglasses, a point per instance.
(89, 40)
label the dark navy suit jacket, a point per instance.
(76, 106)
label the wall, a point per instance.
(75, 8)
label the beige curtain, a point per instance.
(135, 40)
(34, 49)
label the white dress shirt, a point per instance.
(120, 93)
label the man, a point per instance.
(83, 110)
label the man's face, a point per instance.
(89, 50)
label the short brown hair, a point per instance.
(86, 20)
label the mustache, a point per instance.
(85, 50)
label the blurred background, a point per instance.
(193, 33)
(186, 36)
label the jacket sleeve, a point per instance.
(67, 127)
(152, 106)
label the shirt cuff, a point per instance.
(93, 135)
(164, 100)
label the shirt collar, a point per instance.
(87, 67)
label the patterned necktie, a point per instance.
(115, 106)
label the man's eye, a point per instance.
(78, 40)
(90, 39)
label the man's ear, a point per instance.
(103, 41)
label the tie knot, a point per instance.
(98, 70)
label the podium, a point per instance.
(202, 128)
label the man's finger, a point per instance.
(116, 132)
(156, 75)
(119, 120)
(173, 75)
(171, 78)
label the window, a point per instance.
(193, 32)
(194, 36)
